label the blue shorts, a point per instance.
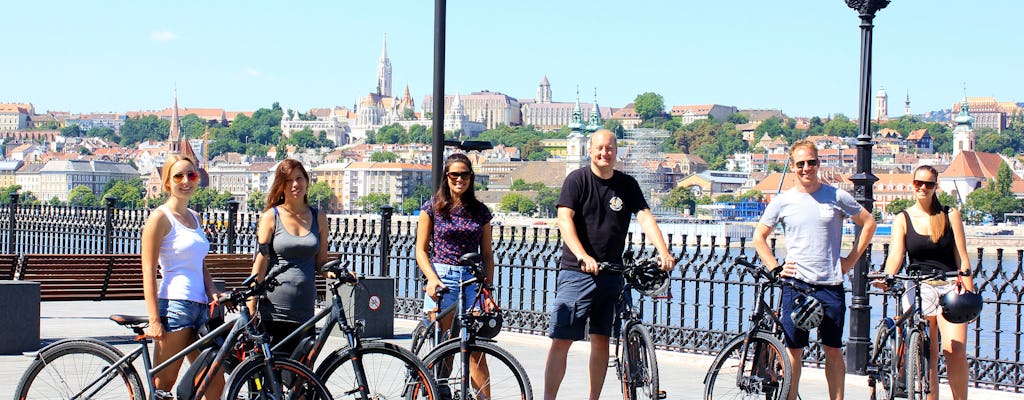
(450, 276)
(830, 332)
(580, 297)
(180, 314)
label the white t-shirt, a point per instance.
(813, 224)
(181, 261)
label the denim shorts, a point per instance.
(830, 332)
(581, 298)
(180, 314)
(450, 276)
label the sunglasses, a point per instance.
(455, 175)
(192, 176)
(925, 184)
(809, 163)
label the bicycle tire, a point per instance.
(63, 369)
(423, 340)
(771, 379)
(392, 372)
(886, 381)
(297, 381)
(506, 380)
(640, 364)
(916, 365)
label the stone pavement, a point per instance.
(681, 375)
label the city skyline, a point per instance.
(802, 59)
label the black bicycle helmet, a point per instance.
(650, 280)
(488, 324)
(961, 307)
(808, 313)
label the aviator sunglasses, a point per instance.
(192, 176)
(925, 184)
(455, 175)
(809, 163)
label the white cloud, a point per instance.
(252, 72)
(163, 36)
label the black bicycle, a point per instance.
(755, 363)
(364, 369)
(899, 362)
(634, 358)
(91, 369)
(472, 366)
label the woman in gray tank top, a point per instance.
(294, 235)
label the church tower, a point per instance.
(174, 136)
(963, 133)
(577, 144)
(544, 91)
(384, 71)
(906, 109)
(881, 106)
(594, 123)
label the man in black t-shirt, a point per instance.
(594, 210)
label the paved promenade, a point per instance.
(681, 374)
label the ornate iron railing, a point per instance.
(709, 299)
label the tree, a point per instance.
(547, 201)
(320, 193)
(383, 156)
(127, 193)
(55, 201)
(373, 201)
(990, 141)
(1004, 180)
(256, 200)
(615, 126)
(103, 132)
(898, 205)
(751, 195)
(947, 199)
(840, 126)
(649, 105)
(725, 198)
(517, 202)
(737, 118)
(988, 201)
(81, 195)
(520, 184)
(72, 130)
(679, 197)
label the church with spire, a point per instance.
(577, 144)
(380, 107)
(545, 114)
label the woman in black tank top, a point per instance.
(933, 237)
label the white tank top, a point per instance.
(181, 261)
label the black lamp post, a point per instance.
(437, 162)
(860, 311)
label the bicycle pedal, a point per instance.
(163, 395)
(662, 394)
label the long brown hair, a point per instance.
(284, 171)
(937, 216)
(443, 198)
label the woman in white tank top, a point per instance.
(173, 241)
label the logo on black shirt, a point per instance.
(615, 203)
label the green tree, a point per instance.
(947, 199)
(751, 195)
(517, 202)
(725, 198)
(615, 126)
(127, 193)
(139, 129)
(898, 205)
(1004, 180)
(72, 130)
(547, 201)
(383, 156)
(320, 194)
(373, 201)
(990, 141)
(737, 118)
(519, 185)
(649, 105)
(988, 201)
(104, 133)
(840, 126)
(679, 198)
(55, 201)
(256, 200)
(81, 195)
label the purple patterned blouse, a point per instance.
(457, 235)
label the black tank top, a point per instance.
(932, 257)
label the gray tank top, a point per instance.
(294, 299)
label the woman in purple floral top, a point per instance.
(457, 223)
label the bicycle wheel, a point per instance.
(886, 382)
(499, 375)
(423, 338)
(640, 364)
(74, 368)
(765, 370)
(916, 364)
(391, 372)
(250, 381)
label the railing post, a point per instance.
(108, 245)
(12, 209)
(385, 240)
(232, 221)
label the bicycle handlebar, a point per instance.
(762, 274)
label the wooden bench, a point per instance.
(85, 276)
(9, 266)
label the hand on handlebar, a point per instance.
(589, 265)
(433, 288)
(881, 283)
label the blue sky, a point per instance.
(801, 56)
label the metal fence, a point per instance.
(709, 300)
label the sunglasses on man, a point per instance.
(809, 163)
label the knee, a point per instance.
(560, 345)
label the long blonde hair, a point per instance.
(936, 214)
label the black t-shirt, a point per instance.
(603, 208)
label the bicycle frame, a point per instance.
(762, 320)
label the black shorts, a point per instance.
(830, 332)
(581, 297)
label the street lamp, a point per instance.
(863, 179)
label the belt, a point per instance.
(936, 282)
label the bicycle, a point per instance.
(636, 365)
(755, 363)
(364, 369)
(452, 359)
(92, 369)
(899, 358)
